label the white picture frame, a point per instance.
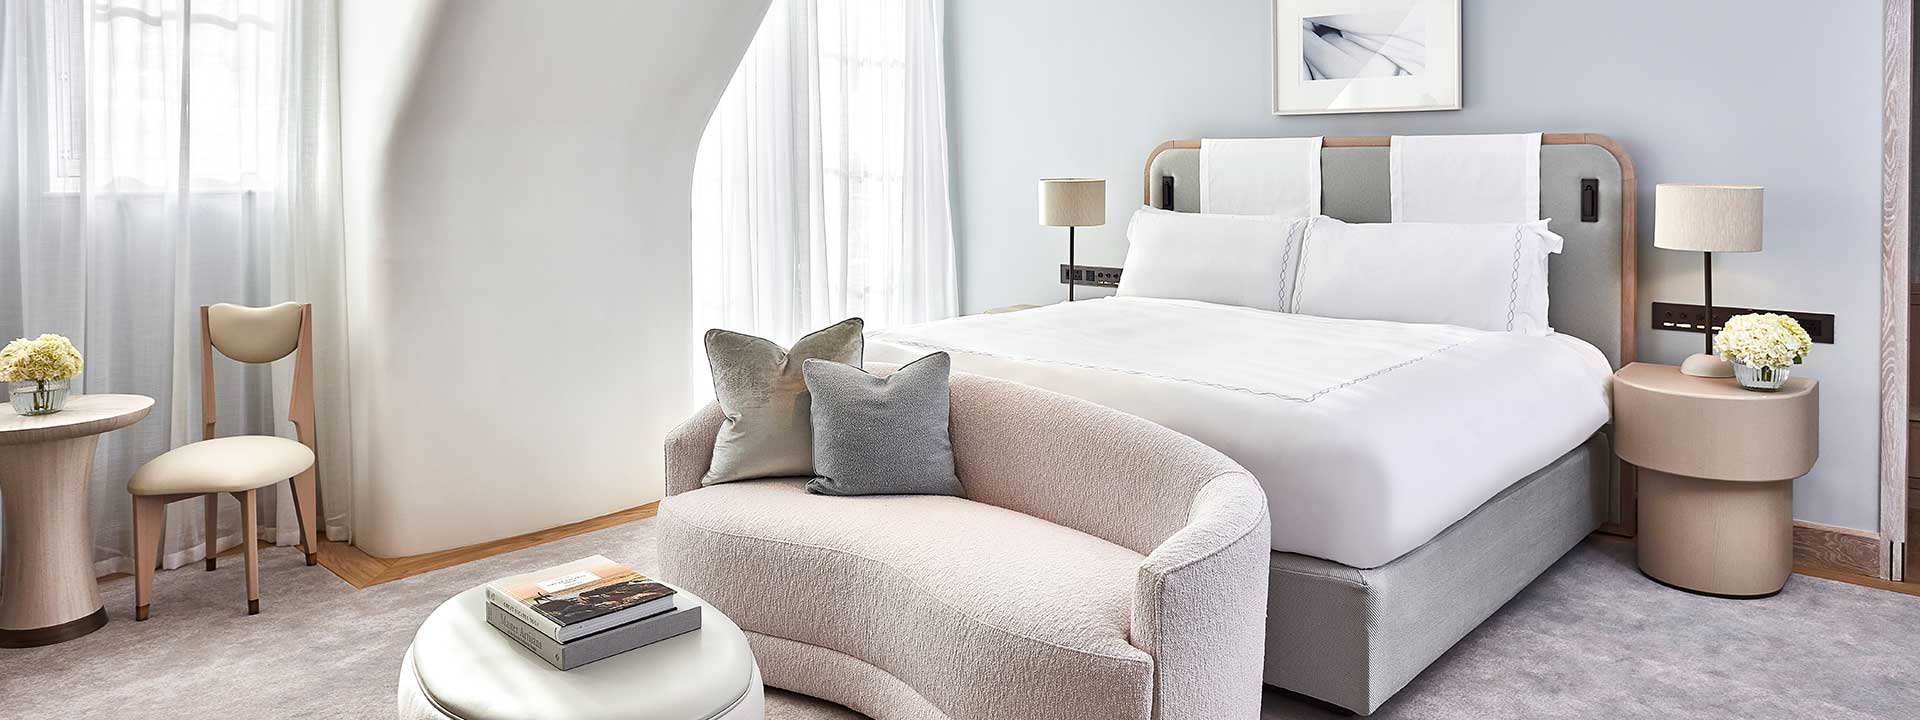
(1365, 56)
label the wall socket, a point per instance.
(1684, 317)
(1090, 276)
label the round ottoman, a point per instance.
(460, 668)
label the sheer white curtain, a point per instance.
(820, 190)
(161, 155)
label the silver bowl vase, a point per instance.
(1759, 379)
(39, 397)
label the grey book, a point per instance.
(600, 645)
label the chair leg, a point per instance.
(306, 507)
(148, 515)
(213, 528)
(250, 514)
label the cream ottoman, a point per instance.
(460, 668)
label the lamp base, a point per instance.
(1706, 366)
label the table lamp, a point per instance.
(1707, 219)
(1072, 203)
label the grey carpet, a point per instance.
(1592, 637)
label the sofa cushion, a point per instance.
(767, 431)
(881, 435)
(984, 611)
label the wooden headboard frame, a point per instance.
(1629, 304)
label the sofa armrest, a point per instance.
(1200, 605)
(1070, 462)
(690, 449)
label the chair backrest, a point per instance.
(259, 335)
(254, 335)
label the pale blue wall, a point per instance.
(1754, 93)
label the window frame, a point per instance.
(66, 109)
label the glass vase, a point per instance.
(1759, 379)
(39, 397)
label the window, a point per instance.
(820, 188)
(65, 65)
(863, 79)
(132, 84)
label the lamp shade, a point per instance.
(1073, 202)
(1707, 218)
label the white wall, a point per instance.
(1697, 92)
(517, 211)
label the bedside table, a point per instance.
(1717, 465)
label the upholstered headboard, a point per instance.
(1590, 283)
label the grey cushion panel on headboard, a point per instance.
(1583, 282)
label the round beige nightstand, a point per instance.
(1717, 465)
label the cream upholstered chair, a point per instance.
(239, 465)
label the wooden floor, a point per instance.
(1910, 587)
(1906, 588)
(363, 571)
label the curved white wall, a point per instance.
(517, 208)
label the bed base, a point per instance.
(1354, 637)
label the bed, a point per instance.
(1419, 476)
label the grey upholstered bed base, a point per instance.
(1355, 637)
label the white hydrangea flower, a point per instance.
(45, 358)
(1763, 340)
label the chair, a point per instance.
(239, 465)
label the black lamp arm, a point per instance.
(1709, 301)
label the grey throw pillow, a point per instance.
(766, 431)
(882, 436)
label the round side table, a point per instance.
(48, 594)
(1717, 464)
(461, 668)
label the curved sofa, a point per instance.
(1100, 566)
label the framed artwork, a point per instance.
(1353, 56)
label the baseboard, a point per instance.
(363, 571)
(1836, 549)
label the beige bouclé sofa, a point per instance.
(1100, 566)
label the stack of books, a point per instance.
(586, 610)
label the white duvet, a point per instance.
(1370, 437)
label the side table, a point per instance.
(461, 668)
(1717, 464)
(48, 594)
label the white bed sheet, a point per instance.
(1370, 437)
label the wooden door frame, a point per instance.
(1895, 283)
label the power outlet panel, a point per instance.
(1090, 276)
(1683, 317)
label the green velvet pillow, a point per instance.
(767, 430)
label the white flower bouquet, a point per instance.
(40, 369)
(1761, 347)
(42, 359)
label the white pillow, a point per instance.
(1242, 260)
(1482, 276)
